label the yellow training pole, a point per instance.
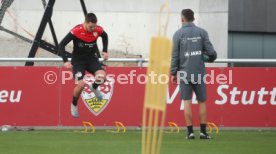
(155, 94)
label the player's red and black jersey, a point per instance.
(85, 43)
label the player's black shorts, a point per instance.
(186, 91)
(91, 66)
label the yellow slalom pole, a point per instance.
(155, 93)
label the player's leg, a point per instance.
(189, 118)
(97, 69)
(78, 72)
(186, 96)
(200, 91)
(77, 91)
(100, 77)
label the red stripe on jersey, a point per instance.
(80, 32)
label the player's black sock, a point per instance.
(203, 128)
(190, 129)
(95, 85)
(75, 101)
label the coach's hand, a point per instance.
(105, 56)
(67, 65)
(173, 79)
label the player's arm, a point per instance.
(104, 37)
(175, 57)
(208, 48)
(61, 48)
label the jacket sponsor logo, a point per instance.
(192, 53)
(94, 105)
(194, 39)
(13, 96)
(187, 54)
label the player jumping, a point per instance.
(84, 58)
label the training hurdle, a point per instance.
(120, 128)
(212, 125)
(86, 125)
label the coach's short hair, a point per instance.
(188, 14)
(91, 17)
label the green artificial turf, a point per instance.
(69, 142)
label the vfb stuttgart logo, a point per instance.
(94, 105)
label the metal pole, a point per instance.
(138, 60)
(47, 15)
(51, 28)
(83, 7)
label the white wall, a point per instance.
(129, 23)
